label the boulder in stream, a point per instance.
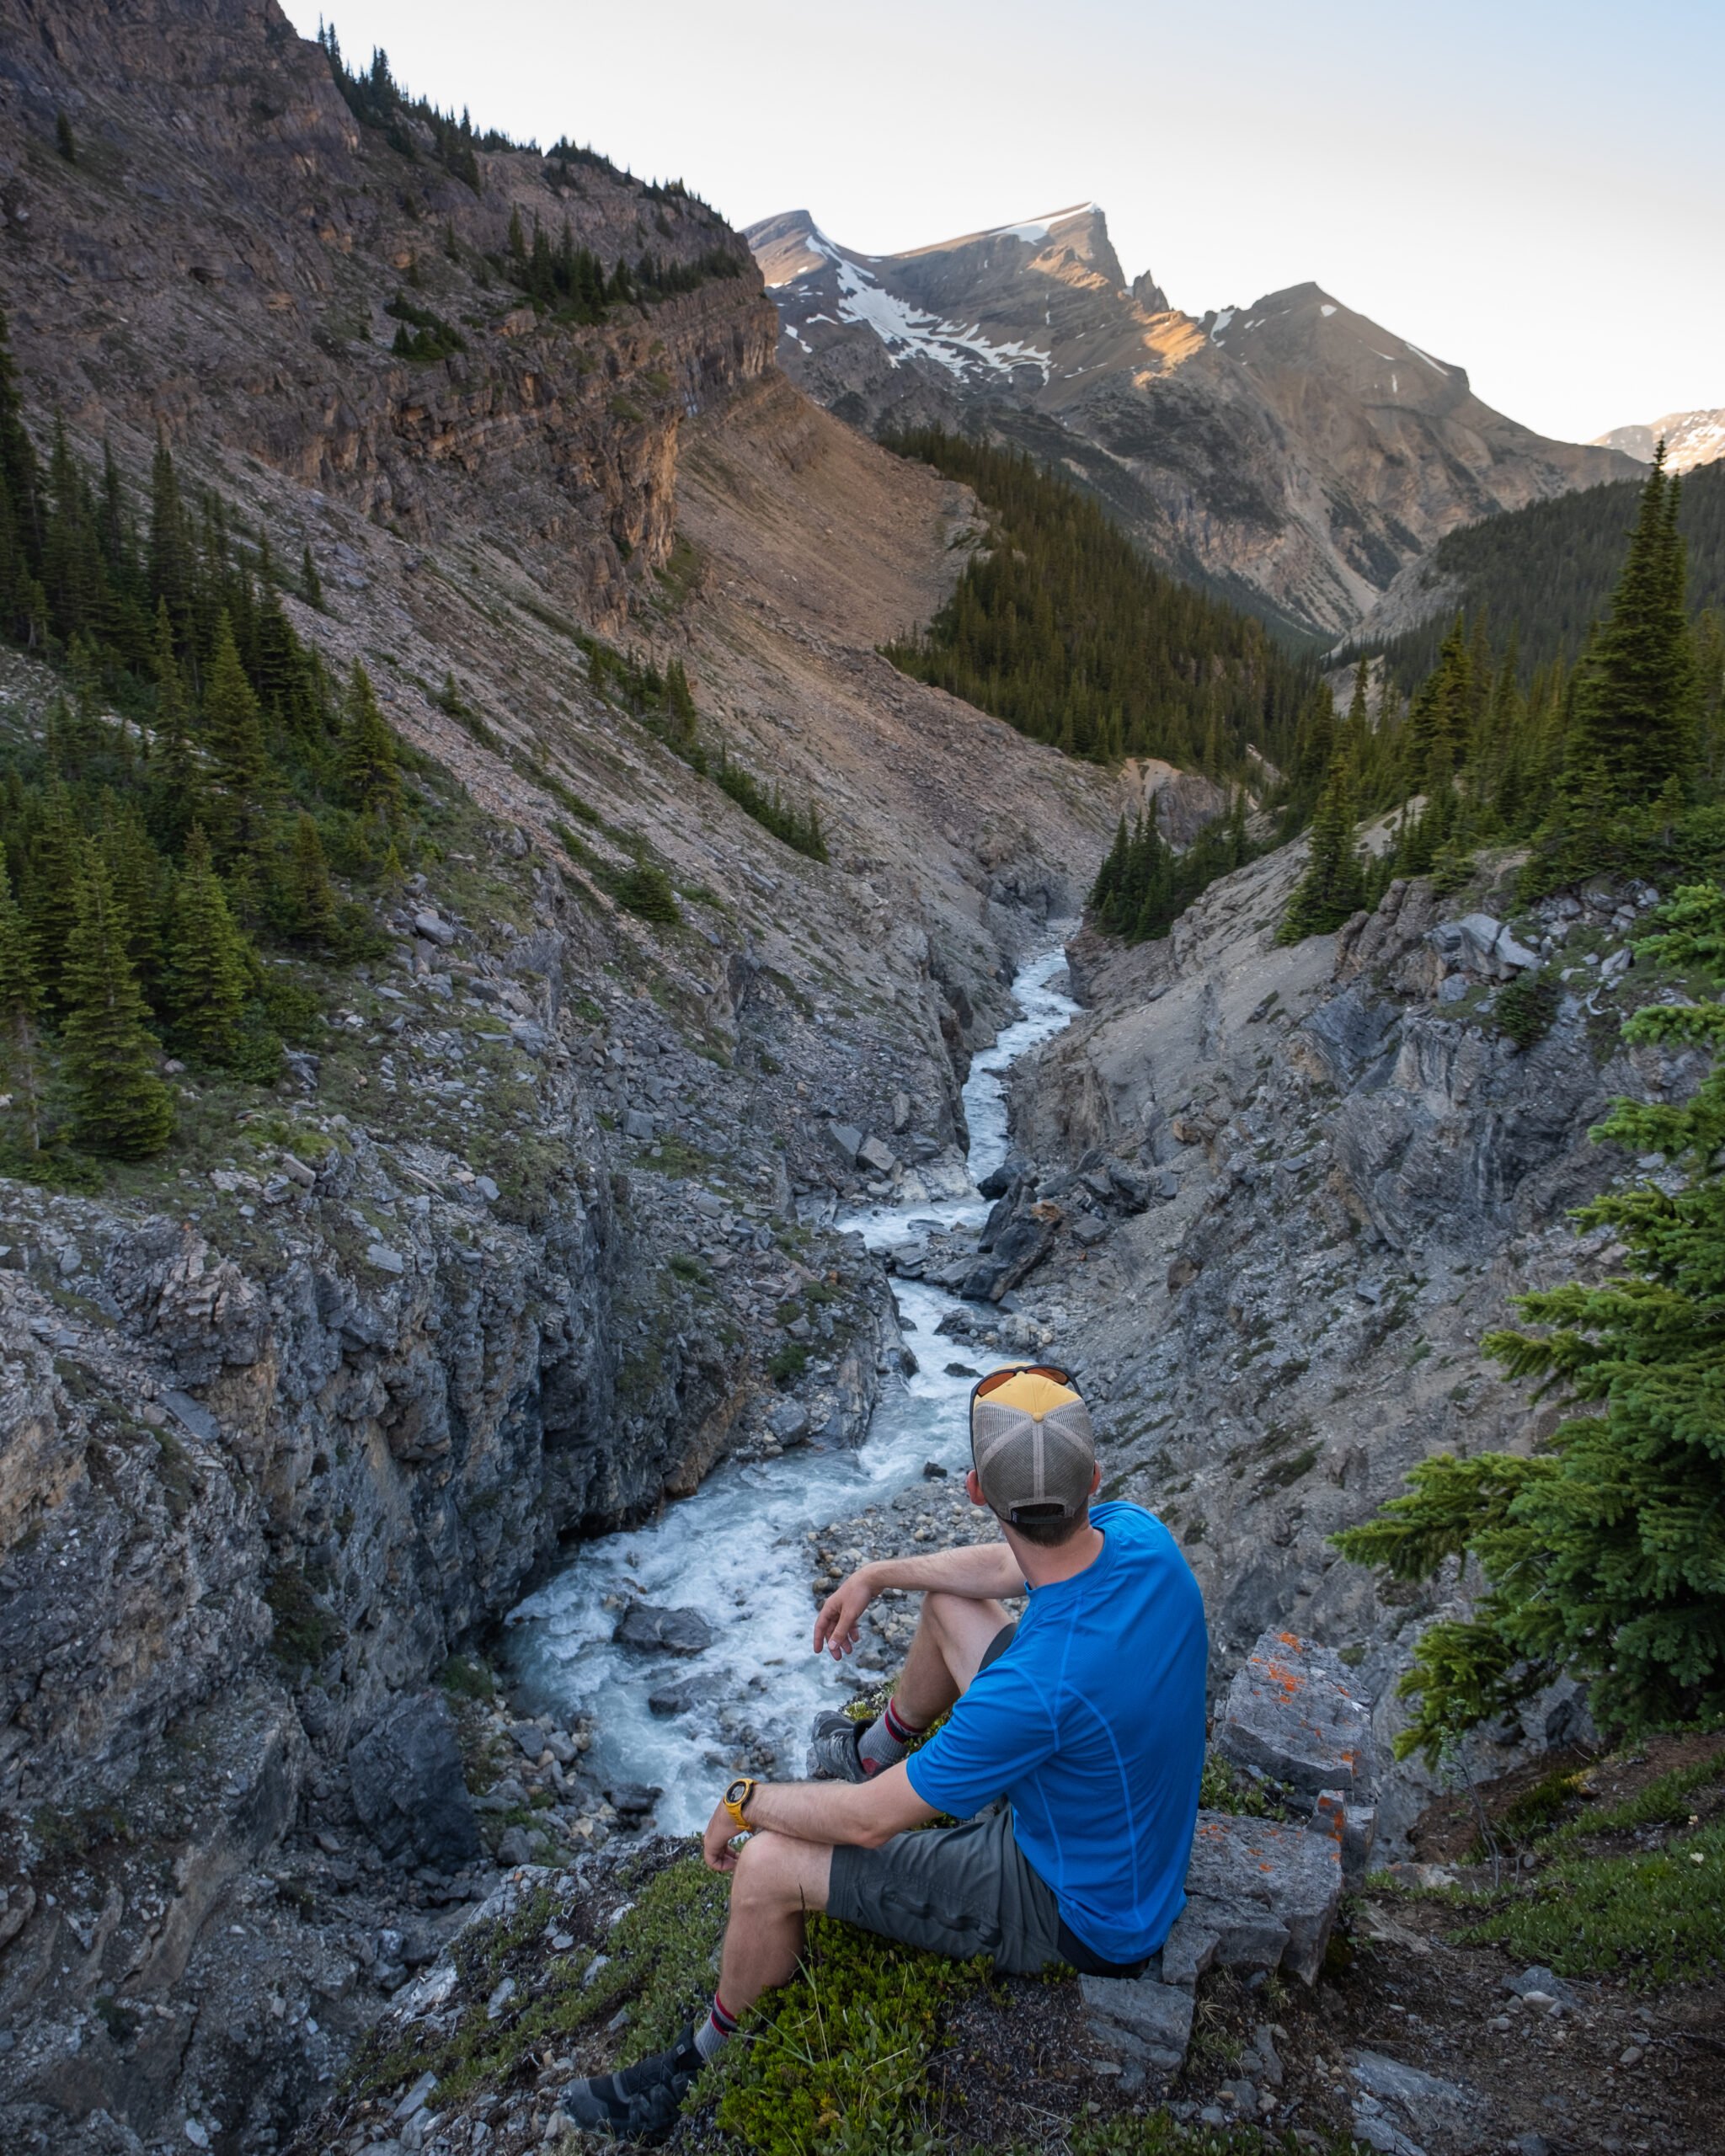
(663, 1632)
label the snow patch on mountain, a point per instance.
(910, 331)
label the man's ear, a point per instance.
(973, 1487)
(1096, 1479)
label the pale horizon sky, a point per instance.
(1533, 191)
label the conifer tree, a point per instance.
(311, 897)
(20, 1005)
(233, 730)
(1439, 722)
(51, 892)
(1604, 1550)
(171, 572)
(1333, 886)
(370, 777)
(209, 973)
(1634, 706)
(311, 585)
(120, 1107)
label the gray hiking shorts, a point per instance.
(957, 1890)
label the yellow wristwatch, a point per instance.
(735, 1797)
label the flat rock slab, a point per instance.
(1140, 2018)
(664, 1632)
(1260, 1895)
(1293, 1713)
(1397, 2103)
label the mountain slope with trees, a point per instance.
(1547, 571)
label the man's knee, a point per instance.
(774, 1872)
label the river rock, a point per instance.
(876, 1155)
(663, 1632)
(408, 1787)
(678, 1695)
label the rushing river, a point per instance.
(735, 1549)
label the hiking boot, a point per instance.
(642, 2102)
(833, 1756)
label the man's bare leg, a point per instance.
(952, 1635)
(777, 1881)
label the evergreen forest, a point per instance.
(1613, 766)
(1548, 570)
(206, 817)
(1062, 627)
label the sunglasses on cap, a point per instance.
(996, 1378)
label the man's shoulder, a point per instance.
(1137, 1536)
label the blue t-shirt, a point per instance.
(1092, 1723)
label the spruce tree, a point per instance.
(233, 732)
(209, 968)
(1333, 886)
(120, 1107)
(369, 777)
(1604, 1550)
(311, 585)
(20, 1005)
(1634, 713)
(311, 897)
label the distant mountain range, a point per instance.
(1292, 454)
(1690, 438)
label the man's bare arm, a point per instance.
(862, 1814)
(985, 1571)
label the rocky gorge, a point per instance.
(556, 1218)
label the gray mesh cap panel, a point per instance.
(1021, 1460)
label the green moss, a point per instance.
(1662, 1803)
(1221, 1789)
(661, 1964)
(839, 2056)
(788, 1362)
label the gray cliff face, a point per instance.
(1291, 453)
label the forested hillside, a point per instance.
(1548, 570)
(1063, 627)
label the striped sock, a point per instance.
(886, 1740)
(720, 2025)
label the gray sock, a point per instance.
(885, 1741)
(716, 2029)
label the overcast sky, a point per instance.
(1534, 189)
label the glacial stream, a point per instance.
(735, 1549)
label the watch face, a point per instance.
(737, 1791)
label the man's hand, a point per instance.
(841, 1613)
(716, 1847)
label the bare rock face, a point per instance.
(408, 1785)
(1292, 450)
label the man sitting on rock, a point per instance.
(1086, 1717)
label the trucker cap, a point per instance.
(1031, 1443)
